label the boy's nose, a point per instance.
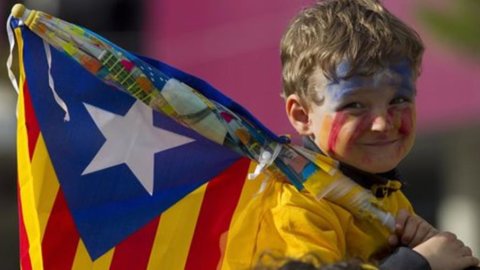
(381, 122)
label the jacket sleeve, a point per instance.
(405, 258)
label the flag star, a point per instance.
(132, 140)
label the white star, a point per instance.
(131, 139)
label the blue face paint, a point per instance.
(398, 76)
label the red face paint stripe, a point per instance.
(134, 252)
(33, 128)
(61, 237)
(25, 262)
(338, 122)
(219, 203)
(406, 122)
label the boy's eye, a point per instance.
(400, 100)
(352, 106)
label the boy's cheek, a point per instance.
(358, 127)
(407, 121)
(323, 133)
(347, 138)
(336, 133)
(408, 128)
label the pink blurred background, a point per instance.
(235, 46)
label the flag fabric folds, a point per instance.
(118, 186)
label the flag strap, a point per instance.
(51, 83)
(13, 79)
(11, 41)
(265, 159)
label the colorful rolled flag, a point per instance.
(189, 102)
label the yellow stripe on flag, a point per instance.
(25, 177)
(83, 261)
(175, 232)
(45, 185)
(21, 71)
(250, 188)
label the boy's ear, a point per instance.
(297, 114)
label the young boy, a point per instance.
(349, 72)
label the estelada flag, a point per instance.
(117, 186)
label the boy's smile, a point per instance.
(366, 122)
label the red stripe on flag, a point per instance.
(33, 128)
(25, 262)
(134, 252)
(219, 203)
(61, 237)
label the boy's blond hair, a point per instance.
(361, 32)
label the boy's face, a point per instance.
(366, 122)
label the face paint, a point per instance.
(337, 125)
(367, 121)
(406, 125)
(361, 127)
(398, 76)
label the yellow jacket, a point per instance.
(283, 221)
